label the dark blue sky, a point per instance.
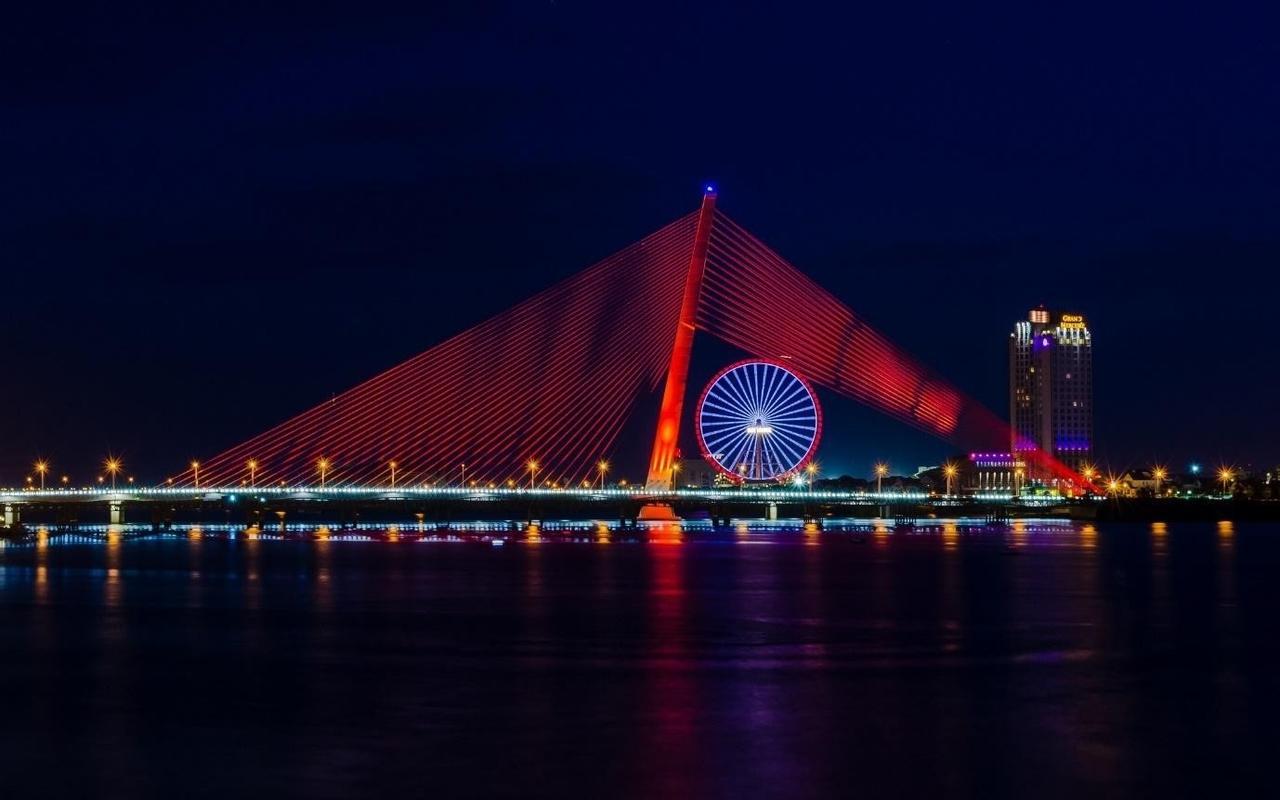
(211, 219)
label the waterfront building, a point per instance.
(1051, 388)
(995, 472)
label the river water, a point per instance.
(1048, 658)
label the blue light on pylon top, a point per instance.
(710, 188)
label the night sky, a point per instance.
(212, 219)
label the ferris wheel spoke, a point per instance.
(729, 402)
(797, 421)
(793, 451)
(800, 435)
(780, 466)
(728, 449)
(779, 384)
(730, 394)
(725, 406)
(739, 394)
(719, 412)
(740, 387)
(780, 387)
(737, 452)
(800, 399)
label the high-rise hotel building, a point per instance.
(1051, 387)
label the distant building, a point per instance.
(994, 472)
(696, 473)
(1051, 387)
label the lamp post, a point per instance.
(113, 466)
(675, 470)
(252, 464)
(392, 466)
(533, 470)
(811, 469)
(882, 469)
(42, 467)
(1159, 473)
(602, 467)
(1088, 472)
(950, 470)
(463, 467)
(195, 473)
(322, 464)
(1226, 475)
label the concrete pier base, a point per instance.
(658, 512)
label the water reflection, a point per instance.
(1018, 534)
(687, 667)
(113, 587)
(671, 690)
(950, 536)
(1159, 545)
(323, 592)
(41, 587)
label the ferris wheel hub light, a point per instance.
(759, 430)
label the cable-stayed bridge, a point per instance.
(537, 396)
(542, 391)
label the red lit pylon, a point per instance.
(667, 436)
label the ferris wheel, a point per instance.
(758, 421)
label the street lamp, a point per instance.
(1226, 475)
(602, 467)
(322, 464)
(950, 470)
(195, 472)
(253, 471)
(675, 470)
(392, 465)
(1159, 473)
(463, 467)
(882, 469)
(113, 466)
(811, 469)
(533, 470)
(42, 467)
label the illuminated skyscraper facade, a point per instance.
(1051, 387)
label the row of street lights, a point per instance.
(323, 466)
(1159, 474)
(113, 465)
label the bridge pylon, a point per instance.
(667, 436)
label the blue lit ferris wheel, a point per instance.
(758, 421)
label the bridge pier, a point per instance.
(771, 512)
(116, 515)
(658, 512)
(12, 515)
